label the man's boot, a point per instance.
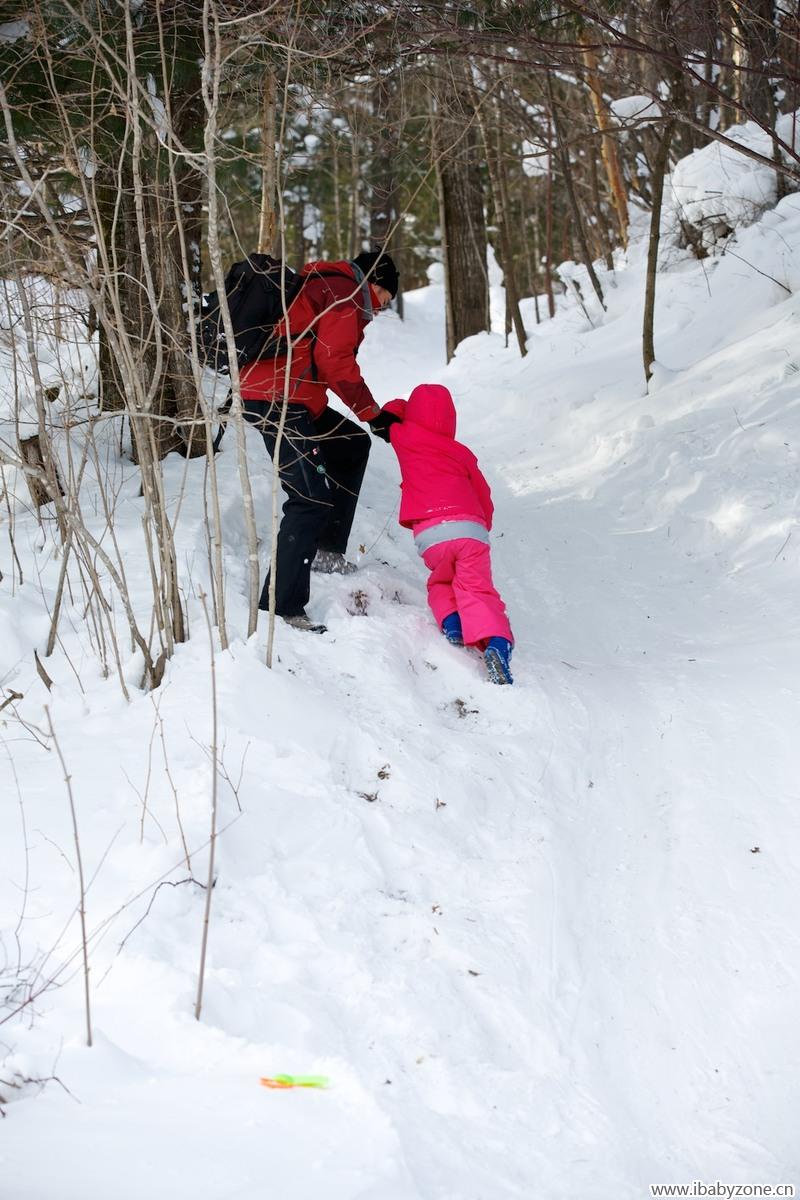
(303, 622)
(332, 562)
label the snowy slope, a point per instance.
(542, 939)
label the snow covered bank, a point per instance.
(718, 189)
(542, 939)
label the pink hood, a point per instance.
(431, 406)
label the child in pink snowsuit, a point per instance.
(447, 504)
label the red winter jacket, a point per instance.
(441, 478)
(335, 309)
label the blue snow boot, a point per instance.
(497, 657)
(451, 628)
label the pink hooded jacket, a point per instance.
(441, 479)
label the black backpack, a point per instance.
(259, 289)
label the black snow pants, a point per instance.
(322, 464)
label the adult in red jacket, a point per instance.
(323, 455)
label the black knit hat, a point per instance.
(379, 269)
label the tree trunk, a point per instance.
(149, 212)
(709, 104)
(267, 224)
(300, 230)
(337, 198)
(382, 177)
(492, 144)
(110, 232)
(659, 171)
(756, 35)
(728, 76)
(532, 250)
(551, 303)
(176, 204)
(603, 238)
(461, 209)
(383, 181)
(355, 206)
(31, 454)
(755, 27)
(566, 170)
(509, 268)
(156, 324)
(608, 146)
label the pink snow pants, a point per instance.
(461, 581)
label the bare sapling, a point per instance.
(103, 290)
(211, 77)
(173, 787)
(276, 482)
(81, 883)
(212, 840)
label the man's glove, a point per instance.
(381, 424)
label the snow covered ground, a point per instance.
(542, 939)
